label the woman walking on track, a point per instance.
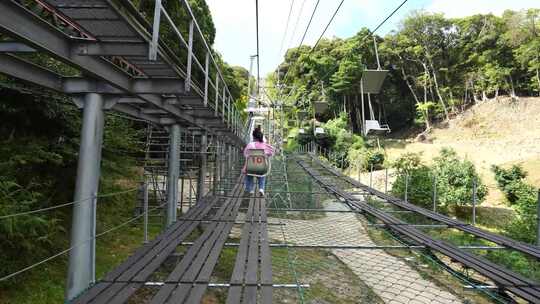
(257, 144)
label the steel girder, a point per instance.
(33, 33)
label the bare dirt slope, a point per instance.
(494, 132)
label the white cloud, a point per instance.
(462, 8)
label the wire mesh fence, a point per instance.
(337, 255)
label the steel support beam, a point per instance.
(136, 86)
(27, 71)
(173, 173)
(202, 169)
(15, 47)
(81, 271)
(111, 48)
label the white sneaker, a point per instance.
(252, 192)
(261, 191)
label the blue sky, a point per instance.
(235, 22)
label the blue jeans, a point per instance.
(249, 182)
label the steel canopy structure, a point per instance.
(106, 56)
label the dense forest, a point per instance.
(438, 67)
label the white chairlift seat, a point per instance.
(373, 126)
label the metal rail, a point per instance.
(504, 278)
(528, 249)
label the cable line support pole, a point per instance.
(81, 269)
(173, 172)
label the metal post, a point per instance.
(187, 82)
(474, 202)
(182, 187)
(371, 176)
(216, 104)
(229, 157)
(407, 187)
(173, 173)
(145, 210)
(223, 97)
(202, 169)
(190, 190)
(152, 54)
(538, 221)
(216, 167)
(362, 107)
(206, 77)
(385, 180)
(359, 171)
(434, 193)
(81, 257)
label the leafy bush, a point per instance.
(525, 225)
(509, 180)
(455, 178)
(523, 198)
(419, 189)
(408, 162)
(23, 237)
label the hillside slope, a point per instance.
(495, 132)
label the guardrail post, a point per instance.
(206, 77)
(173, 173)
(152, 52)
(223, 103)
(229, 111)
(81, 257)
(216, 105)
(189, 57)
